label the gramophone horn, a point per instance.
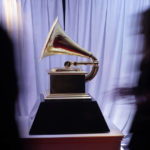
(58, 42)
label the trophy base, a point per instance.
(68, 96)
(68, 117)
(69, 81)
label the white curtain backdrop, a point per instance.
(107, 28)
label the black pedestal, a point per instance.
(68, 117)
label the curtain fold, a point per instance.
(28, 23)
(106, 28)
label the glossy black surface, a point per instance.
(68, 117)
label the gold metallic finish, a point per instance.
(68, 96)
(66, 72)
(58, 42)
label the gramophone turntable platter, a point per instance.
(64, 69)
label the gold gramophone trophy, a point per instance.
(67, 82)
(67, 109)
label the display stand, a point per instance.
(104, 141)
